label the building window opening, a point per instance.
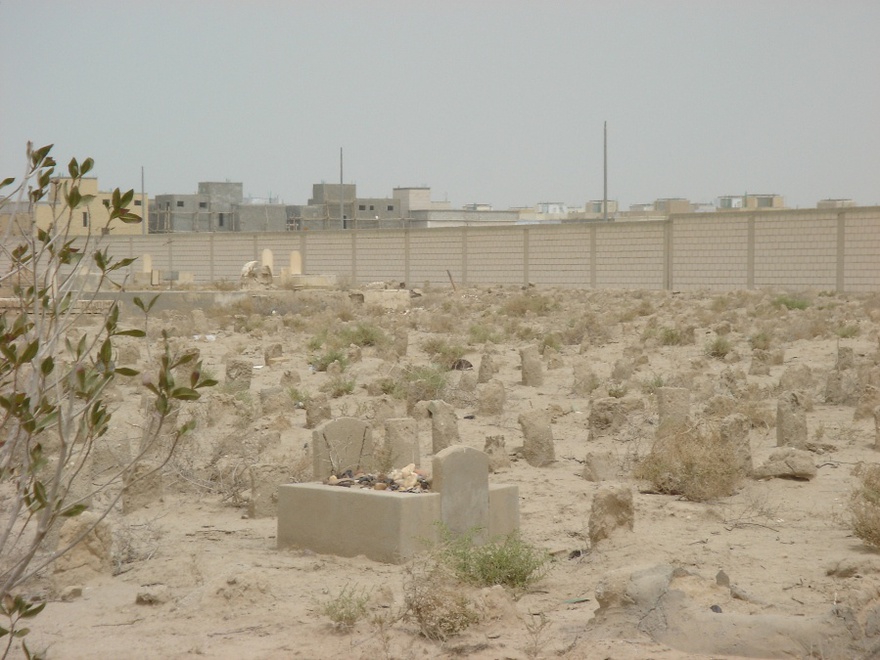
(85, 218)
(220, 219)
(180, 205)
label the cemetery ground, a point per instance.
(191, 567)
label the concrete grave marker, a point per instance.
(342, 444)
(461, 476)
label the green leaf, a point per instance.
(130, 333)
(30, 352)
(47, 366)
(3, 631)
(184, 394)
(6, 182)
(106, 353)
(40, 492)
(86, 166)
(73, 197)
(21, 632)
(33, 610)
(73, 510)
(127, 371)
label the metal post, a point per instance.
(605, 174)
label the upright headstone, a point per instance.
(877, 427)
(538, 446)
(612, 510)
(239, 373)
(340, 445)
(461, 476)
(734, 432)
(402, 442)
(532, 369)
(488, 368)
(791, 421)
(496, 450)
(491, 397)
(317, 411)
(673, 404)
(265, 479)
(444, 425)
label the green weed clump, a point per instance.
(864, 505)
(424, 383)
(322, 361)
(526, 303)
(508, 561)
(347, 608)
(442, 352)
(671, 336)
(718, 348)
(693, 464)
(791, 302)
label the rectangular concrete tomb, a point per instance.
(392, 527)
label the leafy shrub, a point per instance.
(525, 303)
(338, 386)
(670, 336)
(362, 334)
(425, 383)
(346, 609)
(760, 341)
(718, 348)
(324, 360)
(791, 302)
(848, 331)
(436, 602)
(442, 352)
(864, 505)
(509, 561)
(482, 334)
(693, 464)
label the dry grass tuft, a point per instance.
(694, 464)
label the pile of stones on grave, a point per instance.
(408, 479)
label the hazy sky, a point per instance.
(483, 101)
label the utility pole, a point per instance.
(341, 203)
(605, 175)
(146, 219)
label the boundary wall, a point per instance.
(826, 249)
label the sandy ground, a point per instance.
(227, 591)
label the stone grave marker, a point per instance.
(342, 444)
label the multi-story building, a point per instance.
(749, 202)
(91, 216)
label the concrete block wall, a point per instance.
(494, 256)
(824, 249)
(798, 251)
(861, 249)
(561, 257)
(709, 255)
(630, 255)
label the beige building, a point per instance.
(92, 216)
(749, 202)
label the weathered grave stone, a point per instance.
(87, 559)
(289, 378)
(341, 444)
(600, 467)
(869, 392)
(274, 399)
(491, 397)
(143, 486)
(444, 425)
(461, 476)
(532, 369)
(673, 404)
(787, 463)
(760, 365)
(611, 510)
(272, 352)
(265, 479)
(609, 414)
(496, 450)
(488, 368)
(846, 358)
(402, 442)
(841, 387)
(538, 448)
(238, 374)
(791, 421)
(584, 379)
(400, 341)
(877, 427)
(317, 411)
(734, 432)
(553, 358)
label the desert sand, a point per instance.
(798, 582)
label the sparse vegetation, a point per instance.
(791, 302)
(509, 561)
(529, 303)
(323, 360)
(694, 464)
(443, 353)
(718, 348)
(864, 504)
(346, 608)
